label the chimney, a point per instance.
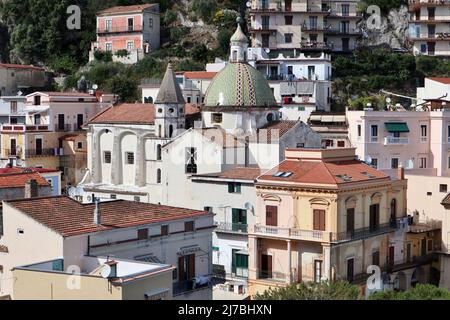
(31, 189)
(97, 213)
(400, 173)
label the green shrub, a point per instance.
(64, 64)
(122, 53)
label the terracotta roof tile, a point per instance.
(278, 127)
(68, 94)
(69, 217)
(136, 113)
(19, 66)
(126, 9)
(318, 172)
(19, 179)
(237, 173)
(200, 74)
(441, 80)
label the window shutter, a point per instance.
(234, 215)
(230, 187)
(271, 215)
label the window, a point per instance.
(374, 216)
(216, 118)
(130, 24)
(37, 100)
(443, 188)
(271, 216)
(345, 10)
(239, 219)
(113, 196)
(164, 230)
(430, 245)
(13, 107)
(288, 20)
(319, 220)
(137, 199)
(191, 160)
(288, 37)
(80, 145)
(317, 271)
(423, 133)
(158, 152)
(130, 45)
(20, 231)
(158, 176)
(189, 98)
(376, 258)
(108, 46)
(423, 163)
(189, 226)
(37, 119)
(209, 209)
(129, 156)
(234, 187)
(107, 156)
(301, 108)
(394, 163)
(429, 193)
(313, 23)
(341, 144)
(359, 130)
(239, 264)
(150, 22)
(108, 25)
(374, 133)
(1, 222)
(142, 234)
(300, 145)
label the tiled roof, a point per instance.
(26, 170)
(69, 217)
(446, 200)
(136, 113)
(126, 9)
(19, 66)
(221, 137)
(199, 74)
(133, 113)
(237, 173)
(329, 173)
(69, 137)
(441, 80)
(169, 91)
(18, 179)
(282, 127)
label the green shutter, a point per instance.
(230, 187)
(238, 188)
(235, 215)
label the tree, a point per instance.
(419, 292)
(340, 290)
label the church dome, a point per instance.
(239, 85)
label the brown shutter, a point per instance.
(181, 272)
(191, 270)
(319, 220)
(271, 216)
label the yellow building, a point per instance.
(97, 279)
(323, 215)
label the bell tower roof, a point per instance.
(239, 35)
(169, 91)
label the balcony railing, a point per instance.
(24, 128)
(63, 127)
(231, 227)
(182, 287)
(13, 153)
(117, 29)
(308, 235)
(363, 233)
(395, 141)
(314, 45)
(42, 152)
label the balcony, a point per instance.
(229, 227)
(120, 29)
(61, 127)
(12, 153)
(314, 46)
(23, 128)
(188, 286)
(364, 233)
(44, 152)
(291, 233)
(395, 141)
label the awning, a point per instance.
(396, 127)
(305, 88)
(339, 119)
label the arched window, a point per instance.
(158, 176)
(158, 152)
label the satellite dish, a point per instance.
(94, 86)
(267, 50)
(89, 198)
(248, 206)
(19, 93)
(106, 271)
(248, 4)
(72, 192)
(388, 100)
(368, 159)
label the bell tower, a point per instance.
(169, 106)
(239, 45)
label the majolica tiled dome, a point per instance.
(239, 85)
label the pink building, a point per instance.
(417, 140)
(132, 28)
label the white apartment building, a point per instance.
(300, 83)
(429, 28)
(417, 140)
(309, 25)
(12, 109)
(70, 231)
